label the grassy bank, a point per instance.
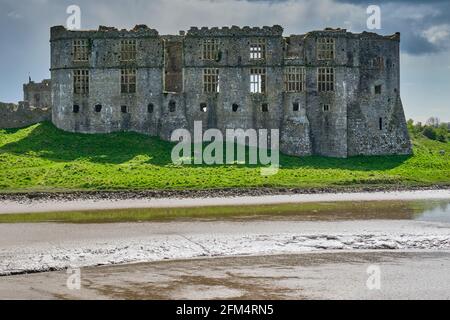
(43, 158)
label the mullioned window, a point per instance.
(326, 48)
(325, 79)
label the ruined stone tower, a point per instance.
(331, 92)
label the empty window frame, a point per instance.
(377, 63)
(325, 48)
(81, 81)
(235, 107)
(123, 109)
(378, 89)
(210, 80)
(210, 49)
(258, 49)
(172, 106)
(128, 80)
(294, 79)
(257, 80)
(128, 50)
(150, 108)
(80, 50)
(325, 79)
(76, 108)
(265, 107)
(98, 108)
(295, 106)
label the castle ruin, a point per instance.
(331, 92)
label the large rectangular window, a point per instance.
(80, 50)
(377, 63)
(258, 49)
(294, 79)
(128, 80)
(210, 49)
(258, 80)
(81, 81)
(128, 50)
(210, 80)
(325, 48)
(325, 79)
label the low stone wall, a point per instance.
(22, 115)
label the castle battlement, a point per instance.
(235, 31)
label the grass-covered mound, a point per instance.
(43, 158)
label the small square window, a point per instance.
(378, 89)
(172, 106)
(295, 106)
(76, 108)
(235, 107)
(150, 108)
(326, 107)
(265, 107)
(98, 108)
(203, 107)
(123, 109)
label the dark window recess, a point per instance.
(380, 123)
(76, 108)
(265, 107)
(150, 108)
(326, 107)
(378, 89)
(123, 109)
(98, 108)
(203, 107)
(235, 107)
(172, 106)
(295, 106)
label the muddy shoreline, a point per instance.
(201, 193)
(319, 275)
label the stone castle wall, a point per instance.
(170, 80)
(22, 115)
(38, 95)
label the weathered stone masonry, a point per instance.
(35, 108)
(330, 92)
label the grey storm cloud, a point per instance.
(424, 24)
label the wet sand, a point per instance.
(9, 206)
(330, 275)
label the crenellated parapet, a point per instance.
(103, 32)
(234, 31)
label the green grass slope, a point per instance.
(43, 158)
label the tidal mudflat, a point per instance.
(398, 234)
(330, 275)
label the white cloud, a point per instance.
(14, 15)
(438, 35)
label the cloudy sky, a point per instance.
(424, 24)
